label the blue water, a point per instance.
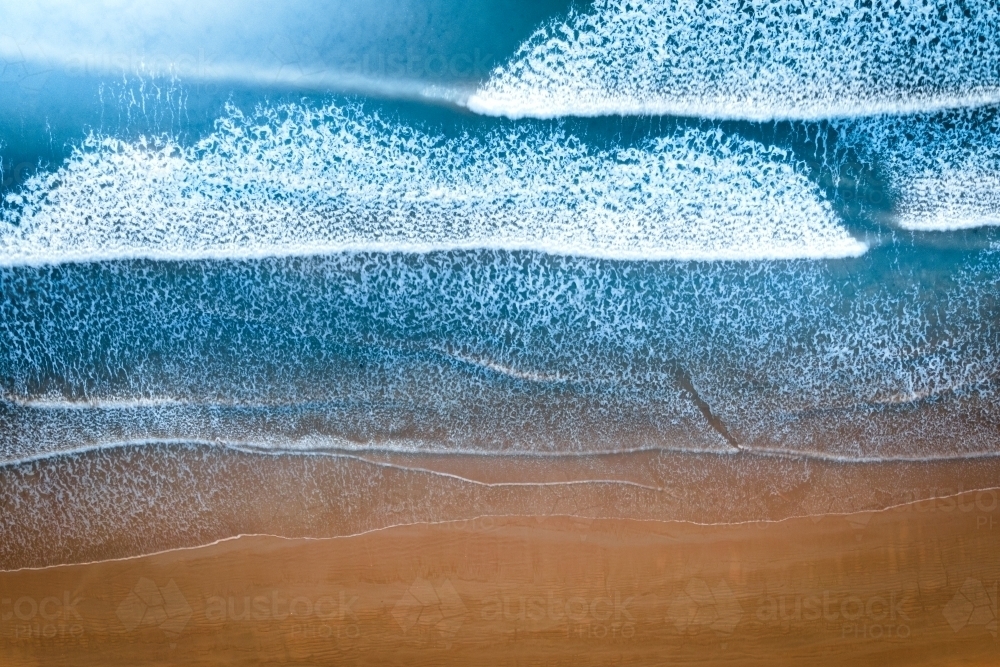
(514, 228)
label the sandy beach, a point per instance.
(132, 501)
(912, 585)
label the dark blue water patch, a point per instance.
(41, 126)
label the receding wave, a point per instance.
(298, 180)
(755, 59)
(74, 508)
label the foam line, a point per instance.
(298, 180)
(752, 59)
(361, 454)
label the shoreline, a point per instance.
(129, 502)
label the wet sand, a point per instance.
(912, 585)
(129, 556)
(127, 502)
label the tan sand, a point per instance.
(912, 585)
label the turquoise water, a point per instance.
(513, 229)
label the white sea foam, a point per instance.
(753, 59)
(504, 354)
(509, 371)
(98, 404)
(952, 199)
(300, 180)
(944, 171)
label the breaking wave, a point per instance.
(753, 59)
(944, 171)
(297, 180)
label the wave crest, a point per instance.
(753, 59)
(296, 180)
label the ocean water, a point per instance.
(525, 230)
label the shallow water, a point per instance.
(496, 351)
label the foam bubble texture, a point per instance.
(890, 355)
(754, 59)
(303, 180)
(943, 170)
